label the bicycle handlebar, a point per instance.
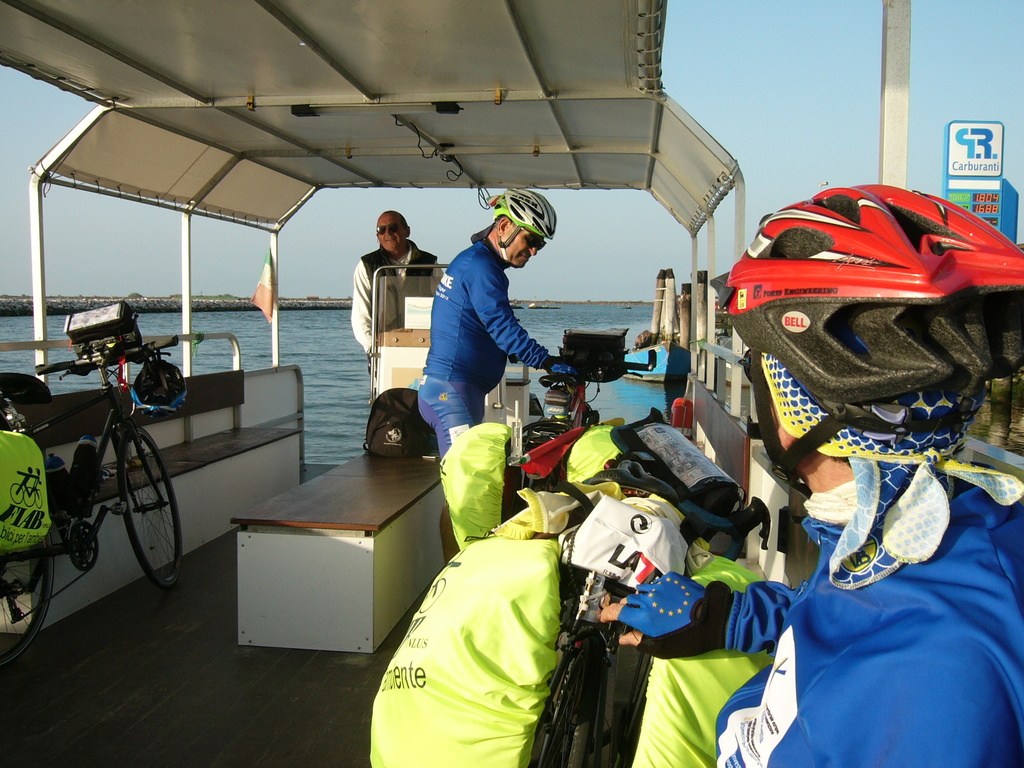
(599, 365)
(70, 366)
(82, 366)
(652, 361)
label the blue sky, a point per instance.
(789, 87)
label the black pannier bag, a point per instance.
(395, 428)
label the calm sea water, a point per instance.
(334, 366)
(337, 385)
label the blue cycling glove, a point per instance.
(556, 364)
(564, 368)
(678, 617)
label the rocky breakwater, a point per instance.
(13, 306)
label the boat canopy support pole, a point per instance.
(35, 207)
(711, 366)
(275, 323)
(37, 181)
(186, 288)
(739, 245)
(694, 319)
(895, 115)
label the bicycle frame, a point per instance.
(145, 498)
(575, 728)
(115, 417)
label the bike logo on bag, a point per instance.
(25, 516)
(29, 490)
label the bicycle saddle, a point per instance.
(631, 474)
(22, 389)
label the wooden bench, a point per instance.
(335, 563)
(206, 393)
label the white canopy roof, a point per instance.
(242, 109)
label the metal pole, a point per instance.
(186, 288)
(35, 208)
(694, 319)
(40, 175)
(739, 244)
(709, 303)
(700, 293)
(275, 325)
(894, 136)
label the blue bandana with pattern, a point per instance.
(903, 481)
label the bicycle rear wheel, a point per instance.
(151, 510)
(25, 588)
(572, 736)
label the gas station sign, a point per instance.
(973, 177)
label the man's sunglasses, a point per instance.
(535, 241)
(381, 229)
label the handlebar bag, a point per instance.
(468, 683)
(626, 543)
(24, 516)
(680, 463)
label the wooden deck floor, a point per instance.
(145, 678)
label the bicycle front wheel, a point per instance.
(629, 721)
(572, 736)
(25, 587)
(151, 510)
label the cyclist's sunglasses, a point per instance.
(394, 228)
(535, 241)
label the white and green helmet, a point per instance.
(527, 209)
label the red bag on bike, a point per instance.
(24, 515)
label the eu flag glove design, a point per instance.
(678, 617)
(662, 606)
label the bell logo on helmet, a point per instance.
(796, 322)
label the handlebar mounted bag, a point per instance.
(24, 515)
(626, 543)
(395, 428)
(669, 455)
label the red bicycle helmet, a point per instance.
(867, 293)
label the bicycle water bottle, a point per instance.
(58, 484)
(83, 465)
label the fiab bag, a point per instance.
(24, 519)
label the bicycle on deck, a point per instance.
(582, 726)
(144, 496)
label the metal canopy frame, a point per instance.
(241, 110)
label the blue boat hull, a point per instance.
(672, 362)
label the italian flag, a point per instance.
(264, 296)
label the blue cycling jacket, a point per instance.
(472, 326)
(922, 668)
